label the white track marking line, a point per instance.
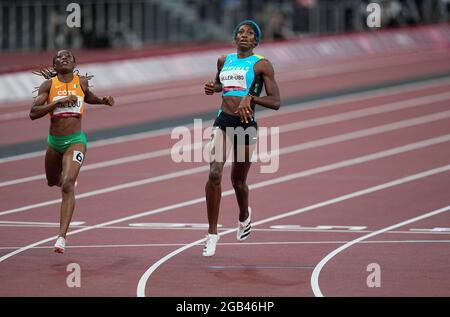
(356, 114)
(265, 243)
(37, 224)
(166, 225)
(326, 102)
(274, 181)
(224, 229)
(315, 275)
(436, 229)
(349, 115)
(286, 150)
(144, 278)
(113, 162)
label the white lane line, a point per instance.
(144, 278)
(161, 225)
(37, 224)
(326, 102)
(286, 150)
(221, 228)
(109, 163)
(265, 243)
(319, 227)
(274, 181)
(14, 115)
(341, 231)
(436, 229)
(356, 114)
(316, 272)
(110, 189)
(377, 109)
(93, 144)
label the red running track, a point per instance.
(360, 145)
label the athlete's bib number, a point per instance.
(78, 157)
(233, 80)
(72, 108)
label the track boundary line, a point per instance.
(318, 268)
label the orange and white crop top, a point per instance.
(60, 90)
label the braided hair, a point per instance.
(49, 71)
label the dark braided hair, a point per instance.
(45, 71)
(49, 71)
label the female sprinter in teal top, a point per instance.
(240, 77)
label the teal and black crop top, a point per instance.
(237, 76)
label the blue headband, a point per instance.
(255, 27)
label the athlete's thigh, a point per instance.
(53, 165)
(241, 161)
(73, 160)
(243, 153)
(219, 146)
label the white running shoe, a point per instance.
(60, 245)
(245, 227)
(210, 244)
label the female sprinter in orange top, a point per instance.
(62, 96)
(240, 77)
